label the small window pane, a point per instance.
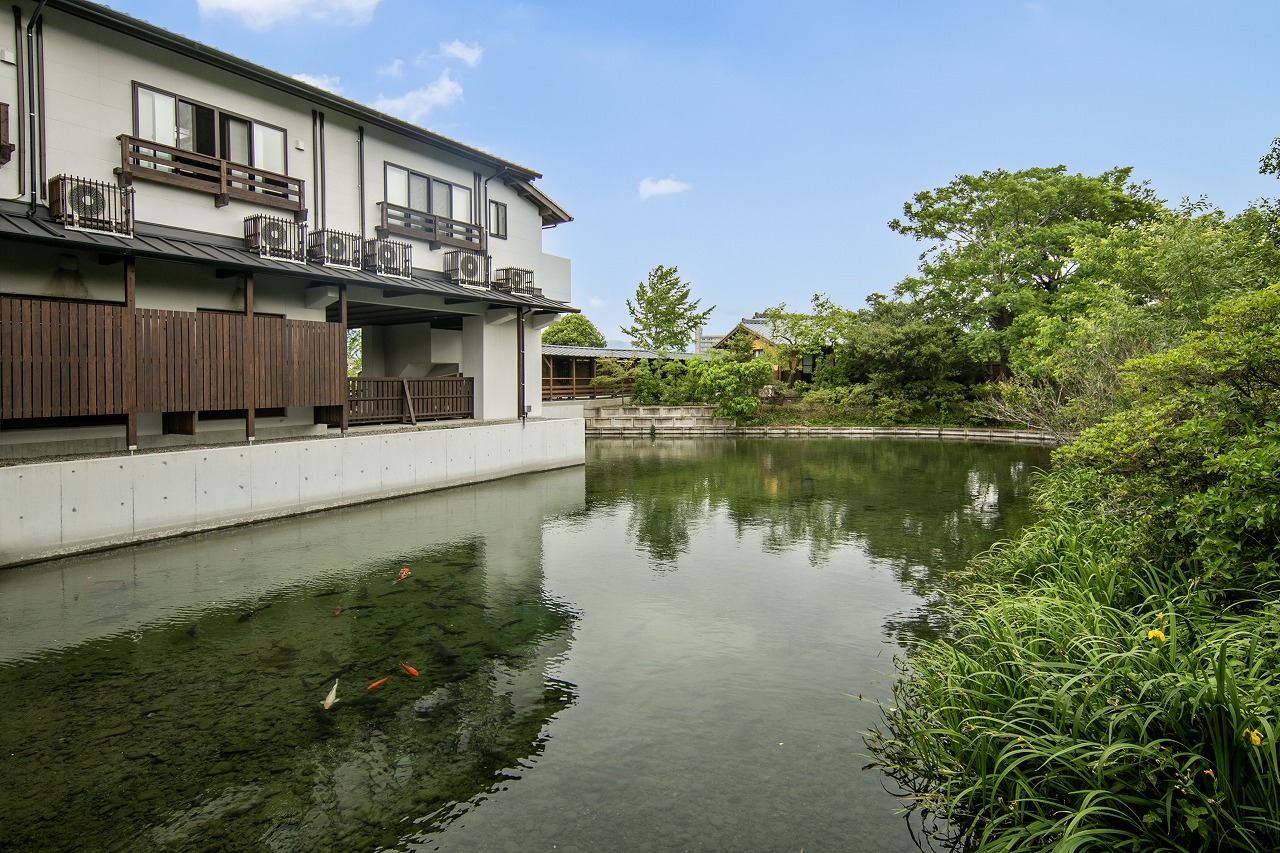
(268, 148)
(186, 131)
(206, 132)
(235, 140)
(442, 199)
(462, 204)
(498, 219)
(397, 186)
(156, 117)
(419, 192)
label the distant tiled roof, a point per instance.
(607, 352)
(758, 326)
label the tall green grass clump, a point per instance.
(1114, 682)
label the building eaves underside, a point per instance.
(163, 243)
(128, 25)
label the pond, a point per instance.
(675, 648)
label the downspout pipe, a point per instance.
(360, 150)
(520, 366)
(31, 102)
(485, 212)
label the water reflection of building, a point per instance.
(62, 603)
(220, 649)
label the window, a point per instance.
(427, 194)
(498, 220)
(190, 126)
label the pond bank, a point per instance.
(73, 506)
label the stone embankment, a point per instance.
(698, 421)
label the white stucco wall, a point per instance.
(65, 507)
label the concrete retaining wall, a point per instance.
(55, 508)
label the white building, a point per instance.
(186, 238)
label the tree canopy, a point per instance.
(1001, 244)
(573, 330)
(664, 318)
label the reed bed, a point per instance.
(1091, 699)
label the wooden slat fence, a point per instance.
(390, 399)
(67, 359)
(301, 347)
(61, 359)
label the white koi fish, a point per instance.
(332, 697)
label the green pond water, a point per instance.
(675, 648)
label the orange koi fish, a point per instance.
(409, 669)
(337, 611)
(404, 573)
(379, 682)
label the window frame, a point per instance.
(498, 215)
(432, 181)
(220, 117)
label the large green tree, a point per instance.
(1001, 245)
(815, 334)
(1143, 289)
(573, 330)
(664, 317)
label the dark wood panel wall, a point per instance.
(67, 359)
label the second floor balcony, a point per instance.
(143, 160)
(436, 230)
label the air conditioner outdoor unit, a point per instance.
(274, 237)
(91, 205)
(515, 280)
(469, 268)
(388, 257)
(334, 249)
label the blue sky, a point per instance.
(762, 146)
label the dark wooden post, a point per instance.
(250, 361)
(342, 320)
(130, 354)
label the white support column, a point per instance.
(533, 364)
(489, 357)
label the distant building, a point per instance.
(704, 343)
(796, 368)
(567, 372)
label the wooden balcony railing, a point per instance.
(437, 230)
(144, 160)
(391, 399)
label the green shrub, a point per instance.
(1111, 681)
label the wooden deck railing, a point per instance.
(144, 160)
(68, 359)
(566, 388)
(390, 399)
(407, 222)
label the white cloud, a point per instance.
(264, 14)
(651, 187)
(414, 106)
(468, 53)
(596, 302)
(321, 81)
(393, 69)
